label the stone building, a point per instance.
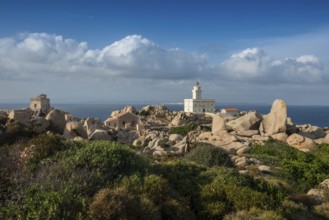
(40, 104)
(123, 120)
(230, 111)
(197, 104)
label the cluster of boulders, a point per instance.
(234, 134)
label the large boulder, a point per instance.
(127, 137)
(280, 136)
(56, 120)
(40, 123)
(74, 129)
(321, 191)
(276, 121)
(249, 121)
(326, 139)
(301, 143)
(91, 124)
(22, 116)
(182, 147)
(313, 132)
(100, 135)
(218, 123)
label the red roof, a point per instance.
(231, 109)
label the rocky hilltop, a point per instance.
(163, 133)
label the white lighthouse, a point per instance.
(196, 91)
(197, 104)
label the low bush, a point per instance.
(41, 147)
(301, 170)
(209, 155)
(15, 132)
(119, 203)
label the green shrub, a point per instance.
(173, 209)
(99, 163)
(144, 113)
(183, 130)
(254, 213)
(302, 170)
(209, 155)
(44, 203)
(15, 132)
(119, 203)
(42, 147)
(156, 188)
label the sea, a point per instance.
(314, 115)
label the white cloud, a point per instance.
(254, 65)
(41, 54)
(32, 56)
(249, 63)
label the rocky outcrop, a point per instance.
(222, 139)
(218, 123)
(159, 111)
(130, 109)
(56, 120)
(74, 129)
(41, 124)
(182, 147)
(127, 137)
(313, 132)
(183, 118)
(276, 121)
(91, 124)
(22, 116)
(301, 143)
(280, 136)
(249, 121)
(100, 135)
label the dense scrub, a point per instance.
(46, 177)
(300, 170)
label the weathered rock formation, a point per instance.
(301, 143)
(74, 129)
(218, 123)
(276, 121)
(22, 116)
(91, 124)
(56, 120)
(100, 135)
(249, 121)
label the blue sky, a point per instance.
(142, 51)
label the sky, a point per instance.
(153, 51)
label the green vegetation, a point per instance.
(46, 177)
(300, 170)
(209, 155)
(183, 130)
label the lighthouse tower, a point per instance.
(196, 91)
(198, 105)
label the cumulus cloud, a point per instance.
(31, 56)
(255, 65)
(35, 54)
